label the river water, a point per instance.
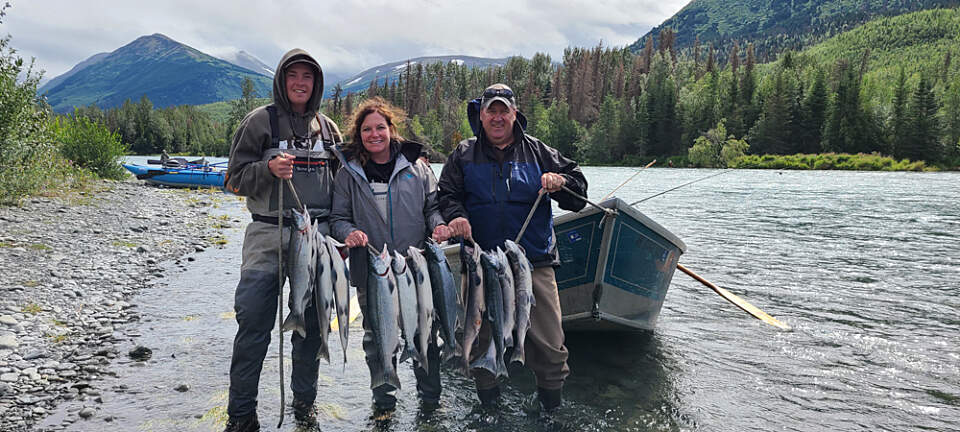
(865, 267)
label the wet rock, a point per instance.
(87, 412)
(140, 353)
(182, 388)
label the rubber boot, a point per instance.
(243, 424)
(384, 398)
(305, 415)
(550, 400)
(489, 398)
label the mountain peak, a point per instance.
(166, 71)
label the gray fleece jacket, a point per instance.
(412, 211)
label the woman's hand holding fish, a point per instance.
(356, 239)
(441, 233)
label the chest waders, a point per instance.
(311, 166)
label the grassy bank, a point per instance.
(831, 161)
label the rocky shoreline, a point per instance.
(70, 266)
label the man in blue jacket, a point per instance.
(488, 186)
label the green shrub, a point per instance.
(90, 145)
(29, 163)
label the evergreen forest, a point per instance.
(888, 87)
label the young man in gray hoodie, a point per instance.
(288, 139)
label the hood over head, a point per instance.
(294, 56)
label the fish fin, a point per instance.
(294, 323)
(324, 353)
(488, 361)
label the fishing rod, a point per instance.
(627, 180)
(678, 187)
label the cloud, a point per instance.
(346, 36)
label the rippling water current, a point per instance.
(864, 266)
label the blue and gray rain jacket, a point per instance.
(497, 196)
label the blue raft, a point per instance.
(187, 174)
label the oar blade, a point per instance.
(737, 301)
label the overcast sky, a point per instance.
(346, 37)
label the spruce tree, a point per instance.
(900, 135)
(924, 124)
(813, 111)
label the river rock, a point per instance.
(73, 298)
(8, 342)
(87, 412)
(140, 353)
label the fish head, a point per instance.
(380, 264)
(301, 219)
(399, 263)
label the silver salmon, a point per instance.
(382, 315)
(407, 293)
(323, 294)
(446, 300)
(341, 291)
(425, 312)
(525, 300)
(509, 297)
(492, 360)
(471, 280)
(301, 265)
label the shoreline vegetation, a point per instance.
(799, 162)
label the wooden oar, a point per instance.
(739, 302)
(627, 180)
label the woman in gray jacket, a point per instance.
(386, 195)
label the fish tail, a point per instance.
(294, 322)
(518, 356)
(488, 361)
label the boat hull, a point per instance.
(199, 177)
(614, 270)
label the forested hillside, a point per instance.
(773, 26)
(863, 91)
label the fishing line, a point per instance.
(627, 180)
(678, 187)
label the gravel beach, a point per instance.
(70, 265)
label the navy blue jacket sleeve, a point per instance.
(451, 194)
(552, 161)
